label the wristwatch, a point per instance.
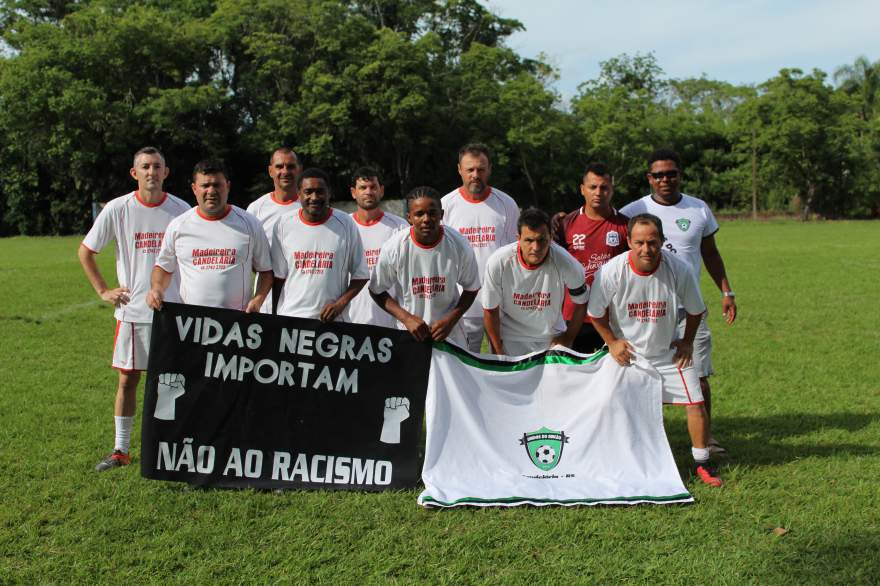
(728, 294)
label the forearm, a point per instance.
(90, 267)
(603, 326)
(692, 322)
(354, 287)
(576, 321)
(492, 323)
(715, 267)
(464, 303)
(390, 305)
(159, 279)
(265, 280)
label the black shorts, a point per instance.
(588, 340)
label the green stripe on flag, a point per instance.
(548, 357)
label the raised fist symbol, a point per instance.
(169, 389)
(396, 411)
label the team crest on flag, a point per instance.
(612, 239)
(544, 447)
(683, 224)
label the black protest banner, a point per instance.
(263, 401)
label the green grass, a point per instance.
(796, 401)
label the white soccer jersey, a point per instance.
(317, 260)
(138, 228)
(427, 278)
(642, 306)
(685, 224)
(487, 225)
(267, 209)
(530, 297)
(362, 309)
(215, 256)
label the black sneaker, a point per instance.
(115, 460)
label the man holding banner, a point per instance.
(633, 307)
(214, 247)
(317, 255)
(524, 287)
(426, 264)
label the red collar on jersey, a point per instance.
(137, 196)
(282, 202)
(468, 197)
(526, 265)
(629, 259)
(368, 222)
(425, 246)
(213, 218)
(308, 223)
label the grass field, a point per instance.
(796, 398)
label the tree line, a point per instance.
(399, 85)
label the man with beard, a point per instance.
(375, 227)
(317, 255)
(485, 216)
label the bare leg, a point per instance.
(126, 393)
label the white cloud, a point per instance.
(746, 41)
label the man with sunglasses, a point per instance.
(690, 227)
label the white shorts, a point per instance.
(473, 332)
(681, 386)
(702, 344)
(131, 346)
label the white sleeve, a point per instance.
(601, 293)
(167, 258)
(384, 275)
(573, 277)
(511, 234)
(262, 256)
(102, 231)
(711, 223)
(492, 292)
(358, 267)
(469, 273)
(689, 291)
(278, 254)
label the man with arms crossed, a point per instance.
(136, 222)
(633, 305)
(524, 287)
(485, 216)
(284, 168)
(690, 229)
(427, 264)
(214, 248)
(593, 234)
(317, 255)
(375, 227)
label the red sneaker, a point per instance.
(708, 474)
(114, 460)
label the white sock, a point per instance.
(700, 454)
(123, 433)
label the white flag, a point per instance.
(550, 428)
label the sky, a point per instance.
(738, 41)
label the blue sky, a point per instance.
(740, 41)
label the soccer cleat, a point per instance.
(708, 474)
(114, 460)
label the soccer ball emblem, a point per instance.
(545, 454)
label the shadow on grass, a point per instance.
(841, 558)
(779, 439)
